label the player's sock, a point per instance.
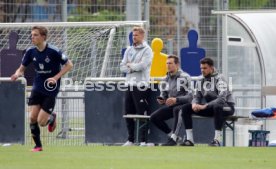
(174, 137)
(169, 134)
(190, 136)
(218, 135)
(36, 134)
(51, 119)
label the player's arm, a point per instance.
(123, 65)
(185, 91)
(144, 63)
(197, 100)
(222, 87)
(27, 59)
(66, 68)
(19, 72)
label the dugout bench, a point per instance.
(229, 123)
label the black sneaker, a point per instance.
(187, 143)
(170, 142)
(214, 143)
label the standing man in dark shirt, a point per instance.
(50, 65)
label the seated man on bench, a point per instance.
(175, 94)
(212, 95)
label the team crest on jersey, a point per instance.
(47, 60)
(63, 57)
(34, 59)
(41, 66)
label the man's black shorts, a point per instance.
(47, 103)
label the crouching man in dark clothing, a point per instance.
(212, 99)
(174, 95)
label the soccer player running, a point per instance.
(50, 65)
(212, 95)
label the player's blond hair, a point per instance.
(139, 29)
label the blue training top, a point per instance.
(47, 64)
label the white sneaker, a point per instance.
(128, 143)
(143, 144)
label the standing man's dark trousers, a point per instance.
(165, 113)
(215, 111)
(136, 102)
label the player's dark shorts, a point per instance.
(47, 103)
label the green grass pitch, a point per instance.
(115, 157)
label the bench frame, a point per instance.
(138, 119)
(229, 123)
